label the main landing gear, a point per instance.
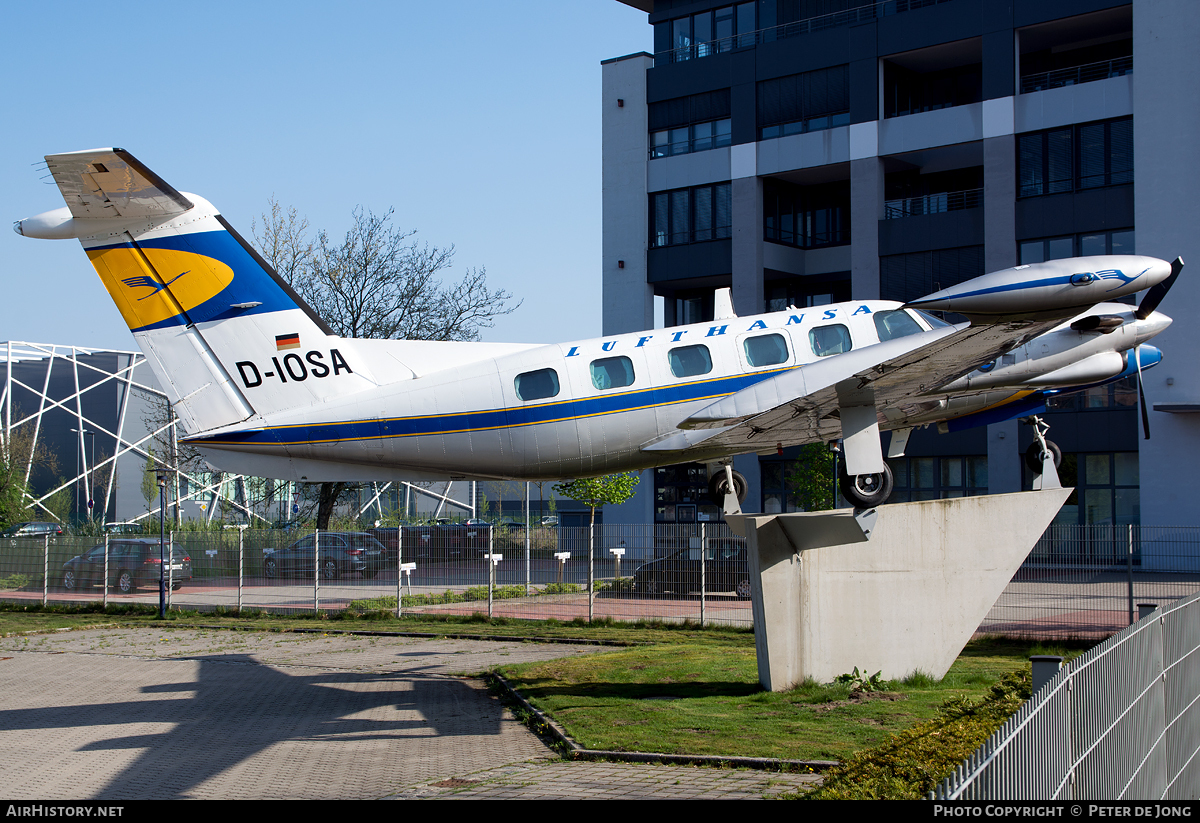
(866, 491)
(726, 487)
(1043, 457)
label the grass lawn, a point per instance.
(704, 698)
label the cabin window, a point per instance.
(612, 372)
(827, 340)
(895, 323)
(535, 385)
(765, 350)
(689, 361)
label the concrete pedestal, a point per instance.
(908, 599)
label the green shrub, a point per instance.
(912, 762)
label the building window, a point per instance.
(690, 215)
(905, 277)
(808, 291)
(807, 217)
(681, 495)
(1106, 488)
(683, 125)
(937, 478)
(805, 102)
(706, 33)
(1119, 394)
(1079, 245)
(1074, 158)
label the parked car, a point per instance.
(725, 570)
(510, 524)
(32, 529)
(132, 563)
(123, 528)
(341, 553)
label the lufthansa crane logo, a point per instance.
(1085, 277)
(147, 280)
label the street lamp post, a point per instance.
(161, 476)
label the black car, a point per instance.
(132, 564)
(340, 553)
(725, 570)
(34, 529)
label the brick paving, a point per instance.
(127, 714)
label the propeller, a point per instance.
(1137, 357)
(1156, 293)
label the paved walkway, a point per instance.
(149, 713)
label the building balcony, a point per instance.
(932, 204)
(1075, 75)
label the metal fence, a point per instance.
(1121, 722)
(1086, 582)
(447, 569)
(1079, 581)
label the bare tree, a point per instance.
(377, 282)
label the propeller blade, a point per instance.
(1142, 394)
(1156, 293)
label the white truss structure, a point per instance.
(130, 437)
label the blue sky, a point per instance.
(479, 122)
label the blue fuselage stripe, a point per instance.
(487, 419)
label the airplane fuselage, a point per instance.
(612, 396)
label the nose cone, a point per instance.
(1152, 325)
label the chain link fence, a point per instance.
(1079, 581)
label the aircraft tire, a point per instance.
(1033, 456)
(716, 487)
(864, 491)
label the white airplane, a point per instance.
(264, 388)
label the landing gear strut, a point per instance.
(1043, 456)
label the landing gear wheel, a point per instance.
(1033, 455)
(717, 487)
(743, 589)
(863, 491)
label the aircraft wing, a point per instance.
(802, 405)
(112, 183)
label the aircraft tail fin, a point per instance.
(227, 338)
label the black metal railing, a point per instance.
(1076, 75)
(932, 203)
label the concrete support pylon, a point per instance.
(826, 599)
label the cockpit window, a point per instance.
(765, 350)
(895, 323)
(934, 321)
(827, 340)
(689, 361)
(612, 372)
(535, 385)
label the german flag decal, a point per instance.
(287, 341)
